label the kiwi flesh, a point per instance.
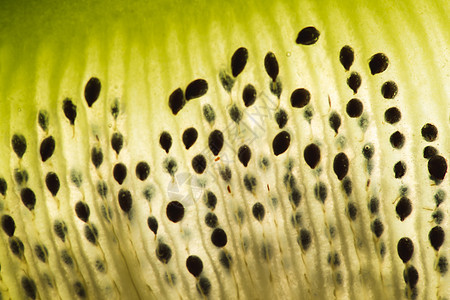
(238, 150)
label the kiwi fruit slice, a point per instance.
(224, 150)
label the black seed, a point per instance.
(352, 211)
(392, 115)
(211, 220)
(368, 151)
(397, 140)
(238, 61)
(28, 198)
(403, 208)
(142, 170)
(43, 119)
(429, 152)
(194, 265)
(152, 224)
(235, 113)
(199, 164)
(289, 181)
(308, 36)
(225, 259)
(171, 166)
(120, 172)
(226, 80)
(210, 200)
(308, 114)
(436, 237)
(442, 265)
(163, 253)
(209, 114)
(60, 229)
(102, 189)
(219, 238)
(52, 182)
(91, 233)
(47, 148)
(3, 186)
(439, 197)
(148, 192)
(92, 90)
(437, 166)
(429, 132)
(305, 239)
(335, 121)
(215, 141)
(281, 118)
(66, 258)
(21, 176)
(258, 211)
(117, 142)
(300, 98)
(320, 191)
(311, 155)
(125, 200)
(70, 110)
(82, 210)
(389, 90)
(16, 246)
(165, 140)
(41, 252)
(354, 108)
(196, 89)
(405, 249)
(399, 169)
(8, 225)
(249, 95)
(354, 81)
(250, 183)
(96, 156)
(334, 259)
(176, 101)
(203, 286)
(225, 173)
(76, 178)
(411, 276)
(271, 65)
(438, 216)
(175, 211)
(374, 205)
(347, 185)
(281, 143)
(378, 63)
(377, 227)
(346, 57)
(100, 266)
(276, 87)
(29, 287)
(115, 109)
(79, 289)
(190, 136)
(244, 155)
(19, 144)
(295, 196)
(340, 165)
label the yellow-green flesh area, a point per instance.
(141, 52)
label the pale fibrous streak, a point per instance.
(238, 150)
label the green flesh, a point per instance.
(141, 53)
